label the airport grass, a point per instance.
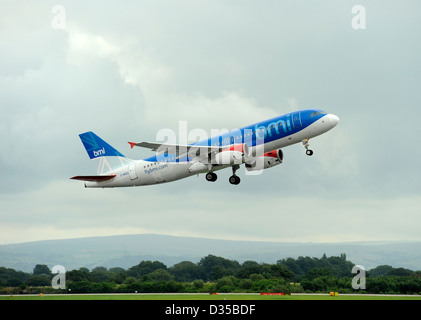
(206, 297)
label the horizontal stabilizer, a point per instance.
(94, 178)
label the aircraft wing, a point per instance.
(177, 149)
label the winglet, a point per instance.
(132, 144)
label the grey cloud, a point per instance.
(126, 71)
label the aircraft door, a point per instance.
(132, 171)
(296, 120)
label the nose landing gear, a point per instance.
(306, 145)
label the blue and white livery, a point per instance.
(258, 147)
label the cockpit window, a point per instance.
(317, 113)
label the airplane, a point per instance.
(257, 146)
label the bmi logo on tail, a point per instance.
(99, 152)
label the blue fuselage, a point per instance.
(264, 132)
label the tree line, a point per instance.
(218, 274)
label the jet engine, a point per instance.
(236, 154)
(267, 160)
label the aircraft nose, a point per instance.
(333, 119)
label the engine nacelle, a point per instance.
(268, 160)
(235, 154)
(276, 154)
(243, 148)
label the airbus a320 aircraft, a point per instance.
(258, 146)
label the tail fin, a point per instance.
(96, 147)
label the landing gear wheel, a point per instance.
(306, 145)
(210, 176)
(234, 179)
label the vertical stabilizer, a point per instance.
(96, 147)
(109, 158)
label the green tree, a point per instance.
(246, 284)
(226, 284)
(117, 275)
(12, 278)
(248, 268)
(131, 284)
(409, 285)
(101, 274)
(318, 272)
(145, 267)
(159, 275)
(400, 272)
(216, 267)
(277, 271)
(198, 284)
(338, 266)
(41, 269)
(379, 271)
(78, 275)
(186, 271)
(41, 280)
(379, 285)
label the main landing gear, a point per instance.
(211, 176)
(234, 179)
(306, 145)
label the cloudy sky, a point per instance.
(127, 69)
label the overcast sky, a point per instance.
(127, 69)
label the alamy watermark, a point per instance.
(59, 281)
(58, 22)
(358, 21)
(358, 282)
(223, 147)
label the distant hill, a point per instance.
(128, 250)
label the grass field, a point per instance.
(207, 297)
